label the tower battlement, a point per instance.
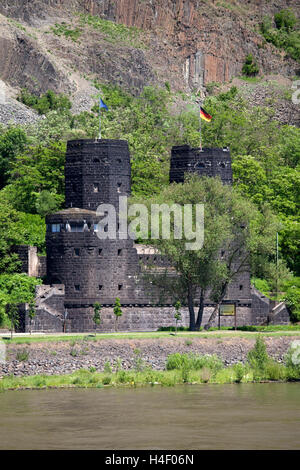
(96, 172)
(206, 162)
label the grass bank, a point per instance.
(179, 369)
(263, 331)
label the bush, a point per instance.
(239, 370)
(50, 101)
(188, 362)
(250, 67)
(292, 299)
(258, 356)
(106, 380)
(285, 19)
(107, 368)
(286, 35)
(22, 355)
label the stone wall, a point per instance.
(145, 318)
(32, 264)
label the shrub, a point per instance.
(292, 299)
(239, 370)
(250, 67)
(106, 380)
(50, 101)
(193, 362)
(139, 363)
(22, 355)
(205, 374)
(285, 19)
(274, 371)
(39, 381)
(107, 368)
(258, 356)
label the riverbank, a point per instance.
(66, 358)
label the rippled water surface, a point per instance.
(244, 416)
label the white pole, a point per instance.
(99, 122)
(200, 126)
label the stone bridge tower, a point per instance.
(92, 269)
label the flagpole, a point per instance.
(99, 121)
(200, 125)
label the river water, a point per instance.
(240, 416)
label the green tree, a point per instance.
(37, 170)
(117, 312)
(235, 235)
(177, 315)
(13, 141)
(13, 316)
(15, 289)
(97, 316)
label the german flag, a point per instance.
(204, 115)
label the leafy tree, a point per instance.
(15, 289)
(13, 141)
(117, 312)
(13, 316)
(177, 315)
(9, 236)
(97, 317)
(232, 225)
(38, 170)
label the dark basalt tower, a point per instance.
(96, 172)
(209, 162)
(92, 269)
(205, 162)
(99, 270)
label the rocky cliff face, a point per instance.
(188, 43)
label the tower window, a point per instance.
(119, 187)
(55, 228)
(119, 252)
(96, 188)
(241, 287)
(119, 160)
(77, 251)
(100, 287)
(100, 251)
(77, 227)
(120, 286)
(77, 287)
(96, 160)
